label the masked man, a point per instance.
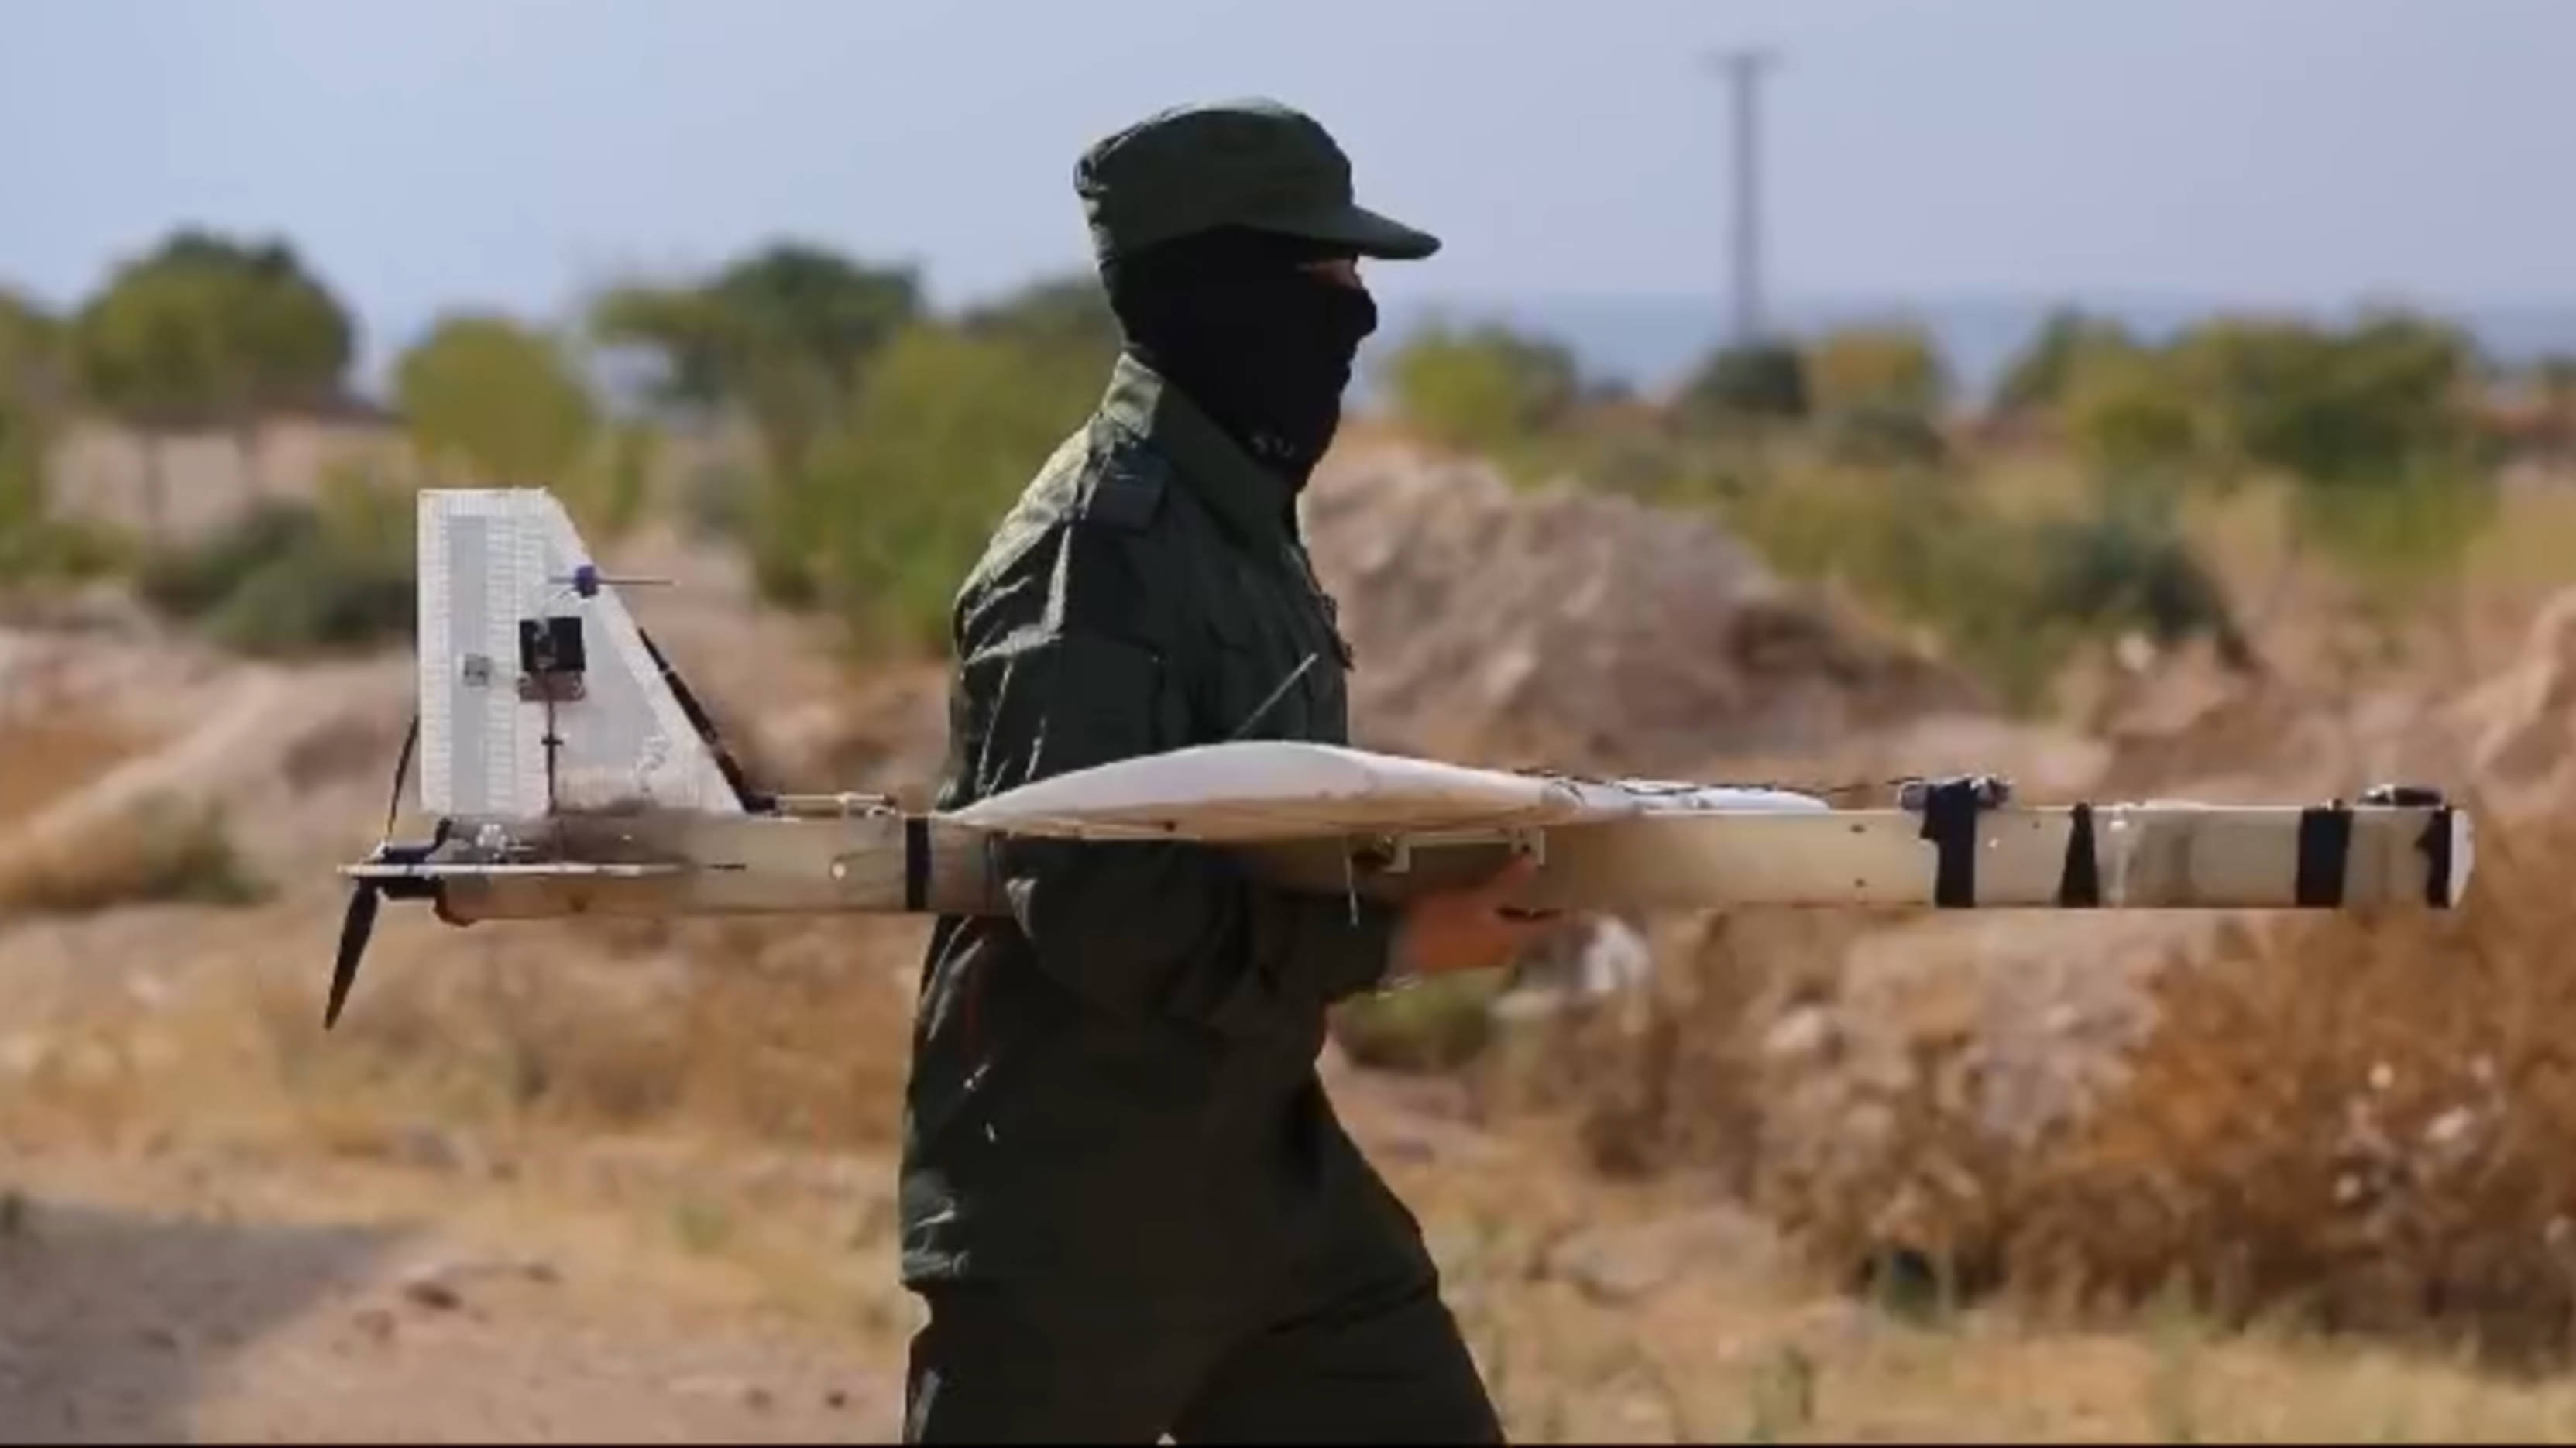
(1126, 1199)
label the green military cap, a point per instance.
(1254, 163)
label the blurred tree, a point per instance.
(614, 482)
(1486, 388)
(2375, 430)
(1894, 366)
(30, 374)
(784, 334)
(2125, 414)
(2127, 565)
(2327, 408)
(1764, 381)
(1067, 315)
(947, 429)
(1883, 435)
(209, 330)
(2069, 342)
(22, 478)
(501, 400)
(33, 365)
(295, 577)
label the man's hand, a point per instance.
(1479, 928)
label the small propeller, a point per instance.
(355, 927)
(358, 924)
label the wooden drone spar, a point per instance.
(567, 771)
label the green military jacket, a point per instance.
(1116, 1084)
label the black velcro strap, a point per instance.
(916, 863)
(2435, 843)
(2079, 883)
(1950, 809)
(2325, 848)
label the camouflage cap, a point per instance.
(1254, 163)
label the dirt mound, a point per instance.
(1582, 630)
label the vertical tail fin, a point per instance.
(537, 691)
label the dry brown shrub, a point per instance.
(1675, 1077)
(161, 851)
(787, 1033)
(2361, 1122)
(2351, 1122)
(44, 759)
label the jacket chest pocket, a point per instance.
(1282, 666)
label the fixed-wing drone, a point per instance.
(568, 770)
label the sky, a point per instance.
(517, 153)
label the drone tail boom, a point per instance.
(568, 771)
(878, 860)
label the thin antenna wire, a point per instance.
(1272, 702)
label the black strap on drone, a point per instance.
(2079, 881)
(1950, 810)
(2435, 844)
(2325, 848)
(916, 863)
(749, 798)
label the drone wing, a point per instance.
(1261, 791)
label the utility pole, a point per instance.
(1743, 69)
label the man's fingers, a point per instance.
(1504, 890)
(1515, 875)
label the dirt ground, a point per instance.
(219, 1225)
(236, 1296)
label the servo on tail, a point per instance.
(567, 770)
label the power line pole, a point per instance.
(1744, 69)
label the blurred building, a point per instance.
(182, 484)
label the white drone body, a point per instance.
(568, 771)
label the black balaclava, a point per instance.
(1261, 347)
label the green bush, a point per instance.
(2069, 344)
(2011, 599)
(899, 499)
(1488, 389)
(500, 400)
(1736, 384)
(1432, 1025)
(1887, 366)
(36, 552)
(2398, 540)
(2128, 566)
(294, 578)
(37, 547)
(1882, 435)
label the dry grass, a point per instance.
(160, 852)
(2360, 1122)
(2196, 1258)
(648, 1079)
(44, 759)
(773, 1035)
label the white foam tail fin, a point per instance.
(495, 564)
